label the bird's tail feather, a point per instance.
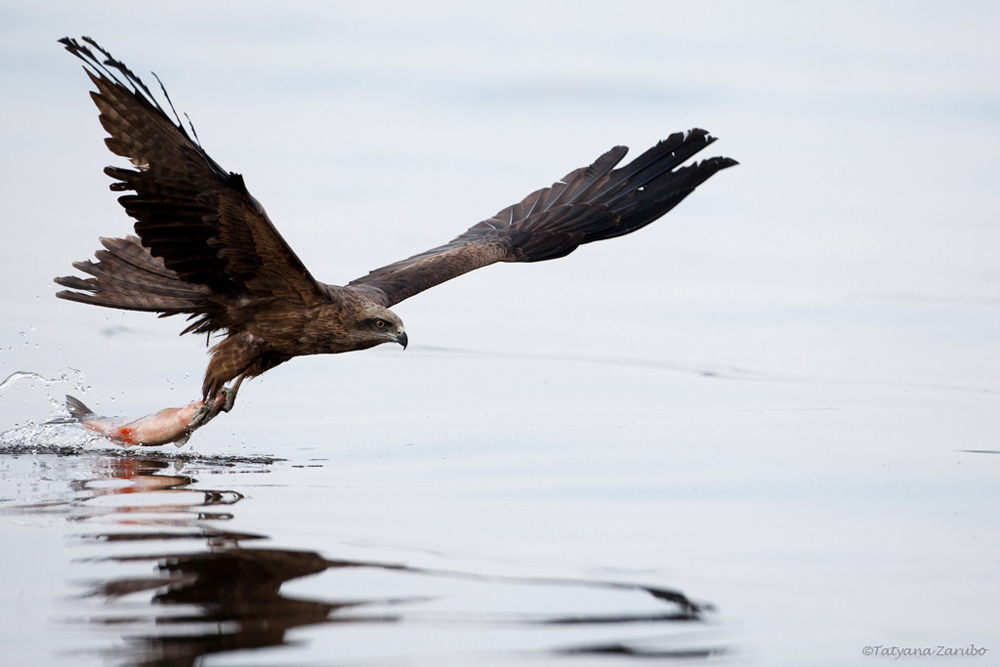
(126, 276)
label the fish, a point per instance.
(166, 426)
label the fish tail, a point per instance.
(77, 410)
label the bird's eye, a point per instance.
(380, 324)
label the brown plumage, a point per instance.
(206, 248)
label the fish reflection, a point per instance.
(213, 590)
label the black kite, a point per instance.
(205, 247)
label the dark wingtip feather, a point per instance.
(115, 71)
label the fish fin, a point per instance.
(76, 408)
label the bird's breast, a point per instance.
(302, 331)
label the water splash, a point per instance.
(52, 431)
(18, 376)
(49, 437)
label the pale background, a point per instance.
(767, 400)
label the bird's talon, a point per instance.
(229, 400)
(230, 396)
(202, 416)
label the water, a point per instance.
(161, 570)
(688, 530)
(762, 431)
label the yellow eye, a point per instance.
(380, 324)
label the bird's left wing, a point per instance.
(588, 204)
(189, 212)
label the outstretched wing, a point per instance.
(589, 204)
(195, 219)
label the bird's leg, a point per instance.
(230, 394)
(205, 414)
(220, 402)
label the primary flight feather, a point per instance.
(204, 247)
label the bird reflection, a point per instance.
(214, 590)
(216, 598)
(227, 599)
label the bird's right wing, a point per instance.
(197, 221)
(588, 204)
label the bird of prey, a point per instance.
(204, 247)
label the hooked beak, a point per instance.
(402, 339)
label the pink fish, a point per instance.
(167, 425)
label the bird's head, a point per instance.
(380, 325)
